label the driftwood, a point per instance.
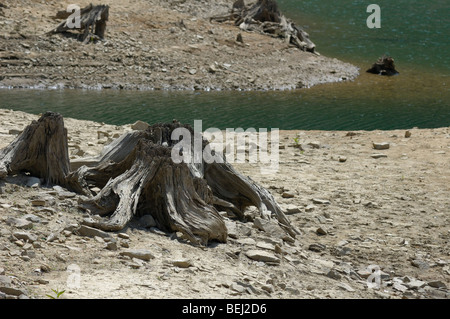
(265, 17)
(384, 66)
(138, 176)
(92, 20)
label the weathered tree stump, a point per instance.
(265, 17)
(384, 66)
(41, 150)
(92, 20)
(183, 197)
(138, 176)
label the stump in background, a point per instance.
(384, 66)
(92, 21)
(265, 17)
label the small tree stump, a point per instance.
(41, 150)
(92, 20)
(384, 66)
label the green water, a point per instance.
(415, 33)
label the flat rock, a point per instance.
(437, 284)
(262, 255)
(232, 230)
(5, 281)
(317, 247)
(321, 201)
(381, 146)
(13, 291)
(25, 236)
(142, 254)
(287, 195)
(291, 209)
(92, 232)
(346, 287)
(378, 155)
(420, 264)
(182, 263)
(272, 229)
(19, 223)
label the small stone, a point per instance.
(25, 236)
(91, 232)
(321, 231)
(19, 223)
(309, 208)
(238, 288)
(407, 134)
(399, 287)
(138, 253)
(147, 221)
(342, 159)
(420, 264)
(140, 126)
(437, 284)
(346, 287)
(381, 146)
(314, 144)
(292, 209)
(123, 236)
(317, 247)
(321, 201)
(182, 263)
(38, 202)
(5, 281)
(13, 291)
(415, 284)
(287, 195)
(334, 274)
(265, 245)
(44, 268)
(268, 288)
(376, 156)
(111, 246)
(192, 71)
(33, 182)
(261, 255)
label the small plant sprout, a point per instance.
(57, 294)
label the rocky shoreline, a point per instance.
(155, 45)
(366, 202)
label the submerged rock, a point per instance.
(384, 66)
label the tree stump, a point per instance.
(138, 176)
(92, 20)
(41, 150)
(265, 17)
(384, 66)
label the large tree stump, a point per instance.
(41, 150)
(138, 176)
(92, 21)
(265, 17)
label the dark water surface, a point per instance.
(415, 33)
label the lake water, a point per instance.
(415, 33)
